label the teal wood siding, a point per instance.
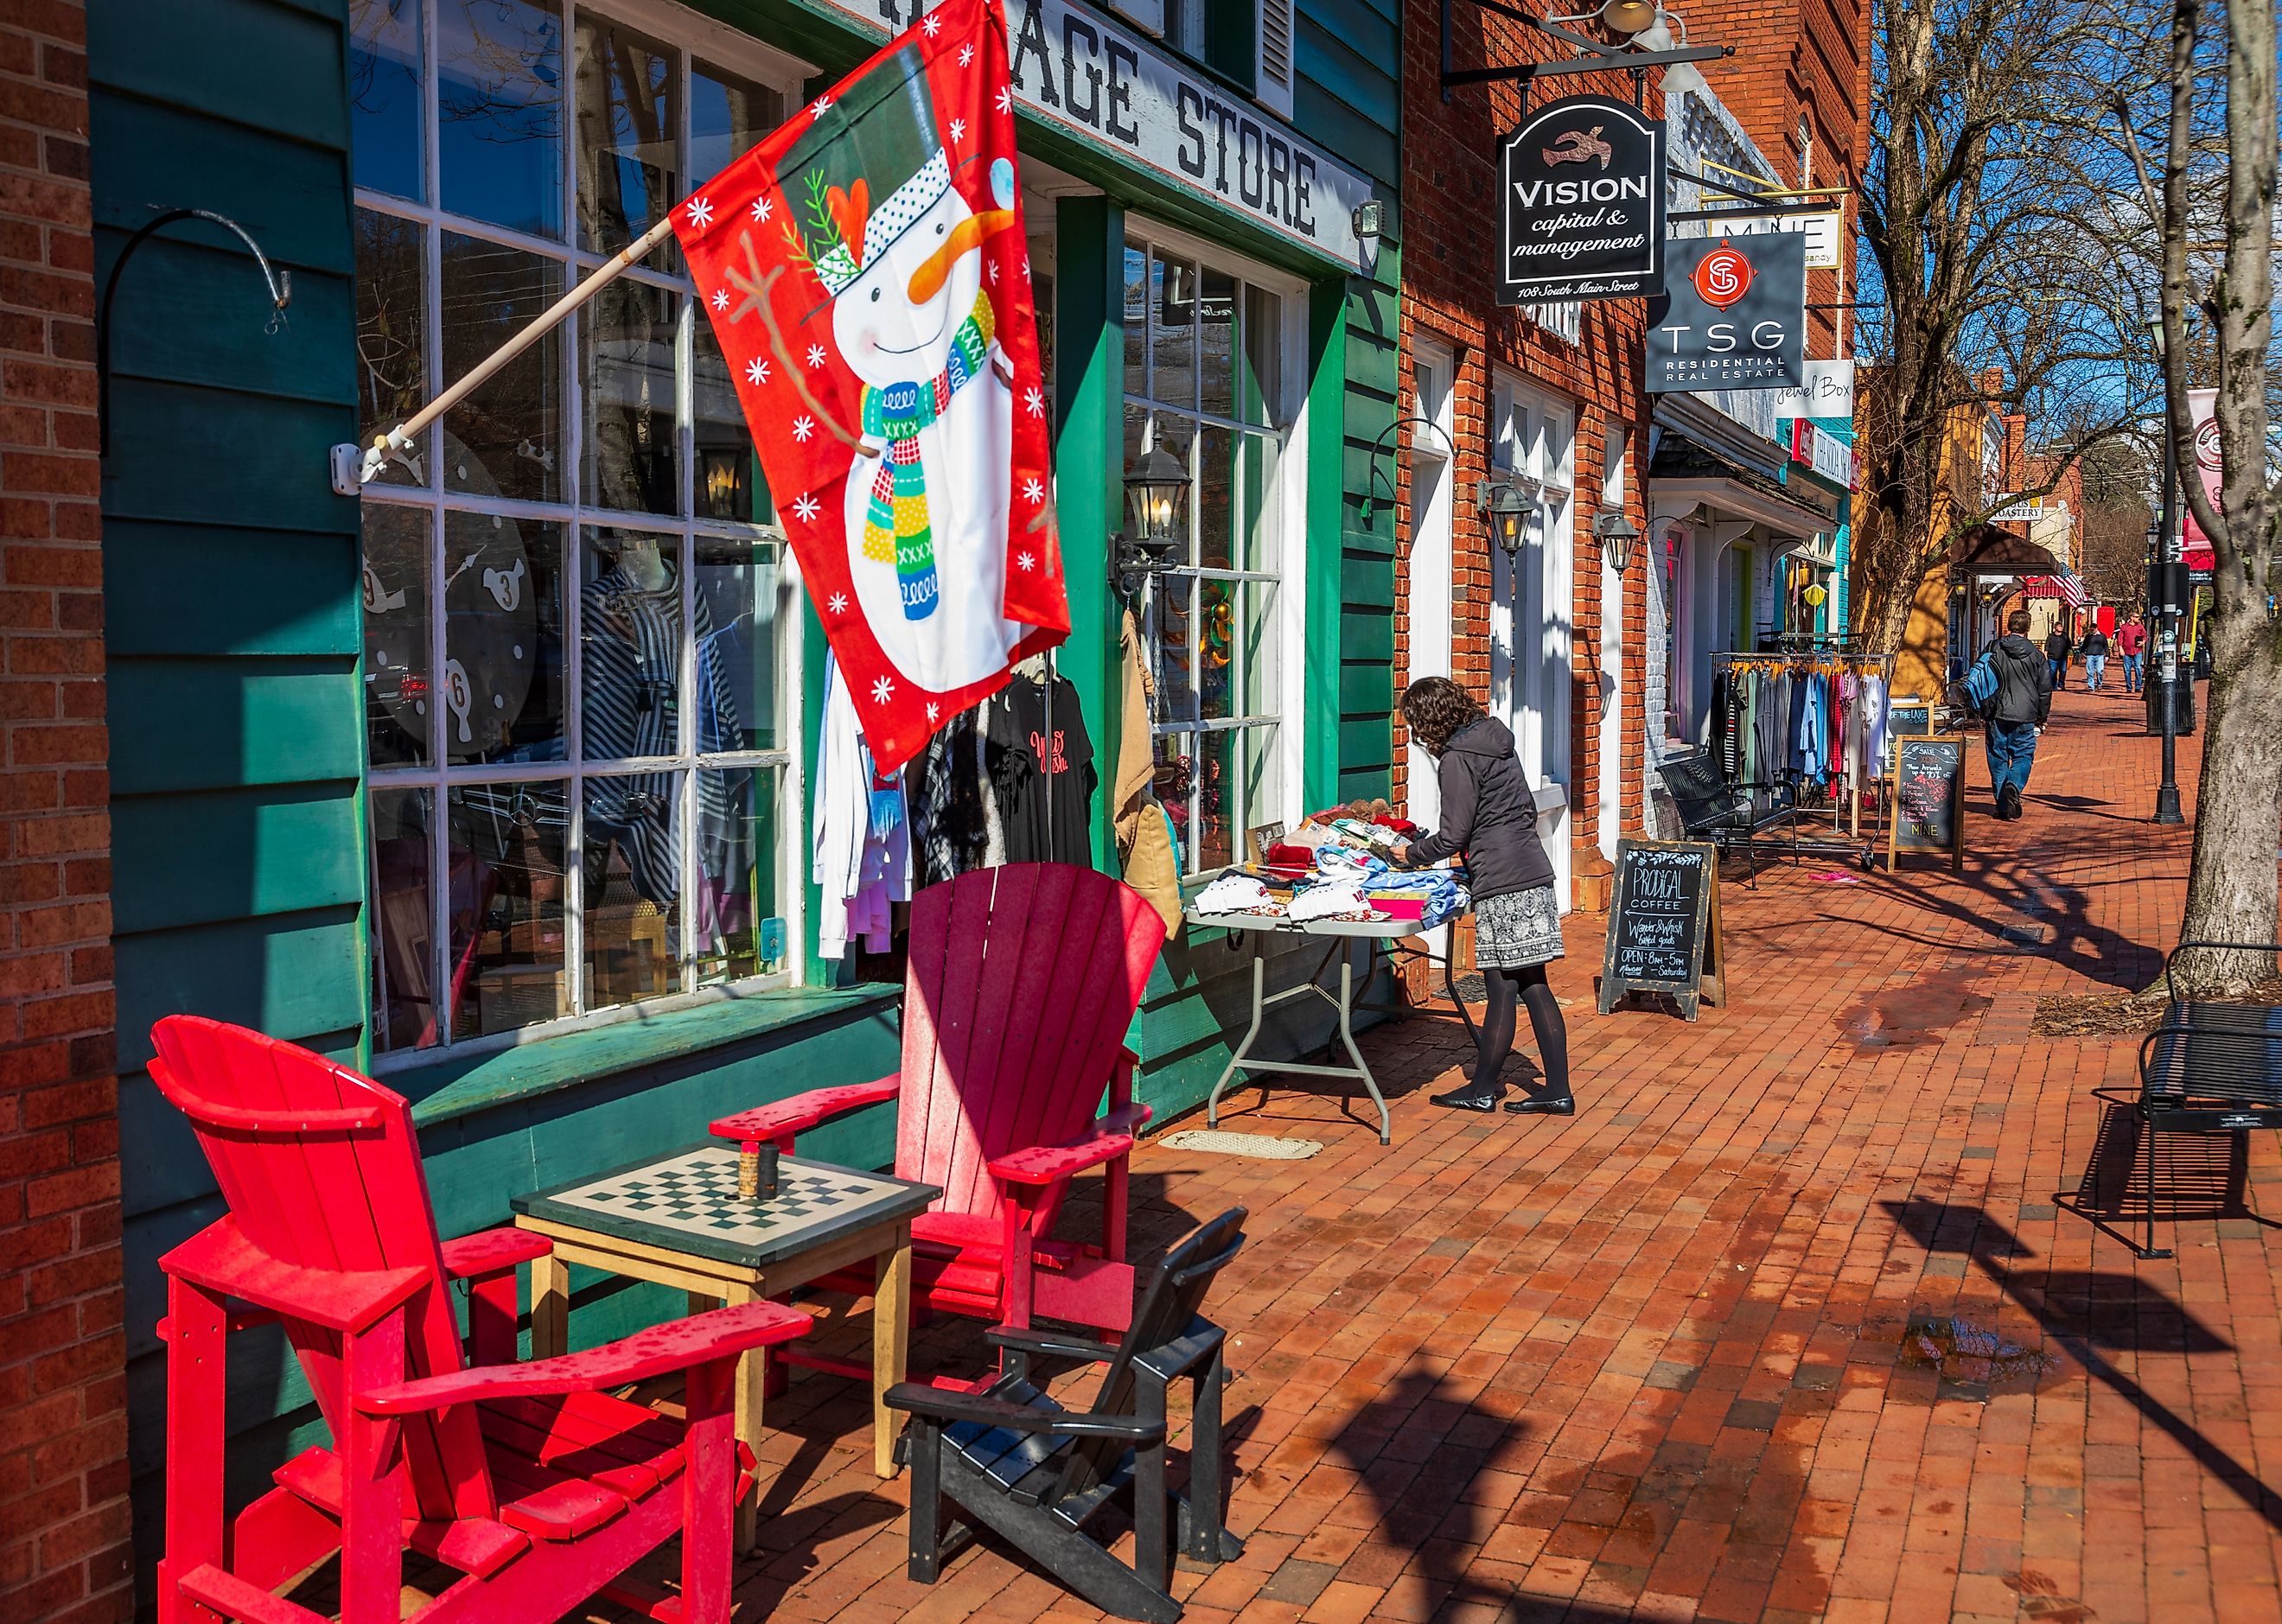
(1347, 53)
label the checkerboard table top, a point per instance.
(688, 1201)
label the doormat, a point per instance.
(1259, 1146)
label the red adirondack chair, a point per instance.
(1023, 981)
(538, 1486)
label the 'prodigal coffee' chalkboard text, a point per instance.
(1664, 924)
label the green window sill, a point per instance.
(453, 1085)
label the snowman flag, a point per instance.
(866, 273)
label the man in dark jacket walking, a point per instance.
(2056, 646)
(2022, 703)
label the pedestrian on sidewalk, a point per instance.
(2056, 649)
(2017, 712)
(1490, 814)
(2132, 643)
(2094, 650)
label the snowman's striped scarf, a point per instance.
(896, 527)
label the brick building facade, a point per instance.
(1573, 373)
(63, 1401)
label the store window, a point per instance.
(1210, 365)
(575, 593)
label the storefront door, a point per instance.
(1532, 437)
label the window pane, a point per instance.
(498, 70)
(1137, 322)
(730, 484)
(391, 287)
(634, 882)
(1172, 332)
(403, 921)
(505, 439)
(739, 930)
(398, 723)
(387, 105)
(1216, 648)
(1262, 646)
(727, 115)
(1263, 777)
(1174, 783)
(737, 587)
(1216, 358)
(1261, 386)
(1172, 631)
(502, 639)
(1215, 474)
(1257, 511)
(1217, 806)
(630, 646)
(625, 370)
(506, 849)
(1137, 433)
(629, 123)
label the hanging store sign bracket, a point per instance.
(1599, 56)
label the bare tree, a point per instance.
(2233, 891)
(1988, 212)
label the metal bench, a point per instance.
(1712, 808)
(2208, 1069)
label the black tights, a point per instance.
(1544, 1020)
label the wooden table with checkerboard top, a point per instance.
(678, 1220)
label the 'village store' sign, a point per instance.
(1581, 182)
(1113, 89)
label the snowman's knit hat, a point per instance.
(879, 137)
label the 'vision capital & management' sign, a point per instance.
(1581, 208)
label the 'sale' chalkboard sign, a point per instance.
(1929, 798)
(1664, 924)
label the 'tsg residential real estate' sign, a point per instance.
(1733, 315)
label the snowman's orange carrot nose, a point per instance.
(934, 270)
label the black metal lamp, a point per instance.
(1156, 497)
(1507, 509)
(1616, 535)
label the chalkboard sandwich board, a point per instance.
(1664, 925)
(1929, 798)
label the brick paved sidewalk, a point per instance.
(1785, 1324)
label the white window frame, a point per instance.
(690, 37)
(1291, 498)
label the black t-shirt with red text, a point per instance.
(1020, 756)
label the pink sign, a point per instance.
(2199, 409)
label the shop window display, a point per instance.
(1205, 372)
(573, 591)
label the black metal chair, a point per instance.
(1011, 1459)
(2208, 1069)
(1712, 808)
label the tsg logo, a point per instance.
(1723, 278)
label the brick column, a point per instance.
(62, 1385)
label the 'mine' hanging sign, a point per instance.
(866, 273)
(1581, 210)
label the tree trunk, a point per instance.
(2232, 890)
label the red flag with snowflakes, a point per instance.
(866, 272)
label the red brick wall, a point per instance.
(1449, 252)
(63, 1397)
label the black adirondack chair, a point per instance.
(1011, 1459)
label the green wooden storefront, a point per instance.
(241, 880)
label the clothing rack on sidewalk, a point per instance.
(1816, 721)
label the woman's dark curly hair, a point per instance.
(1436, 709)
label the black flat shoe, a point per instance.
(1466, 1100)
(1530, 1106)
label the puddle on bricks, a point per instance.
(1916, 1015)
(1973, 1360)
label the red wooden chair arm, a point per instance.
(224, 1262)
(1046, 1164)
(493, 1251)
(1127, 1118)
(802, 1111)
(719, 1333)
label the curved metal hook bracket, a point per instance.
(1378, 445)
(281, 294)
